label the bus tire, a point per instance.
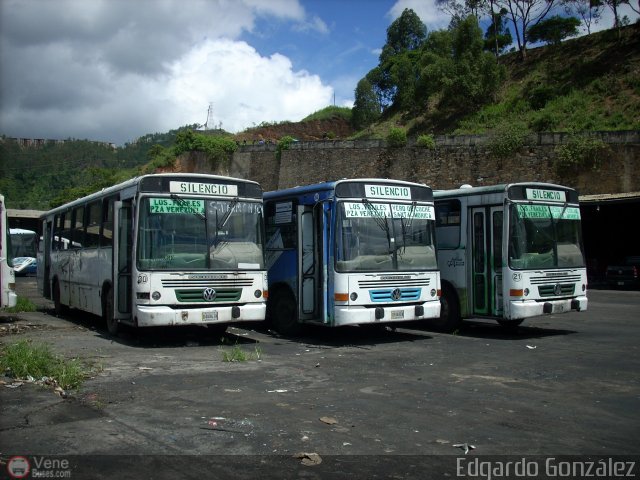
(108, 314)
(58, 307)
(449, 319)
(284, 314)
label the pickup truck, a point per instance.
(625, 273)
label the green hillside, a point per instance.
(589, 83)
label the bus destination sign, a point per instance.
(203, 188)
(546, 195)
(396, 192)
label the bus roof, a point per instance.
(135, 181)
(468, 190)
(331, 186)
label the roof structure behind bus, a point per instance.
(134, 181)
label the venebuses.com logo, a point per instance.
(38, 467)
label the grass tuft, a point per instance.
(25, 359)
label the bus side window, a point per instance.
(94, 215)
(106, 231)
(77, 234)
(60, 234)
(448, 223)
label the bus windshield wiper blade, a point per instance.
(380, 220)
(183, 203)
(225, 218)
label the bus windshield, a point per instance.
(545, 236)
(199, 234)
(385, 237)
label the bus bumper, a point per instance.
(148, 316)
(350, 315)
(12, 299)
(532, 308)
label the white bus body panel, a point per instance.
(362, 310)
(150, 313)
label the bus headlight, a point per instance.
(258, 293)
(156, 295)
(433, 292)
(526, 292)
(353, 296)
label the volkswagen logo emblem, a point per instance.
(396, 294)
(209, 294)
(557, 290)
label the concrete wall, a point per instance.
(456, 160)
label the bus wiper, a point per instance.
(406, 227)
(221, 222)
(380, 219)
(225, 218)
(183, 203)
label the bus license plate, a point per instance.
(210, 316)
(397, 314)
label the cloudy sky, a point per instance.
(113, 70)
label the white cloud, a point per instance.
(244, 88)
(113, 70)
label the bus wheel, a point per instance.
(449, 318)
(510, 324)
(58, 307)
(285, 315)
(108, 314)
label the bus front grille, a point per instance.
(395, 295)
(559, 278)
(564, 290)
(222, 283)
(381, 283)
(197, 295)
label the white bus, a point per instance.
(23, 242)
(509, 252)
(8, 297)
(351, 252)
(164, 249)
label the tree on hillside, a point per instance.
(460, 9)
(393, 78)
(590, 12)
(407, 32)
(614, 5)
(498, 37)
(554, 29)
(457, 70)
(525, 14)
(366, 107)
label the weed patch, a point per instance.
(24, 359)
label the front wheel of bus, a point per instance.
(285, 314)
(449, 318)
(108, 314)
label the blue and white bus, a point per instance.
(351, 252)
(509, 252)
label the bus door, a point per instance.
(122, 259)
(497, 216)
(308, 263)
(486, 261)
(44, 260)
